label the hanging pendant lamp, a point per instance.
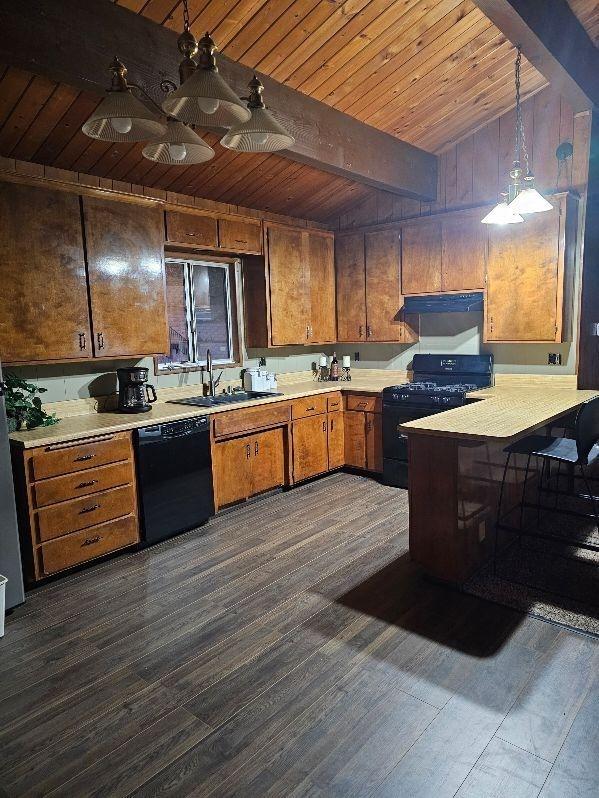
(262, 132)
(121, 116)
(178, 146)
(521, 197)
(205, 98)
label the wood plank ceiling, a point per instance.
(587, 12)
(427, 71)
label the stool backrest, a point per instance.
(587, 428)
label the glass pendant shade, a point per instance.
(530, 201)
(122, 117)
(502, 213)
(205, 99)
(261, 133)
(179, 145)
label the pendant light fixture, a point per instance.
(262, 132)
(204, 97)
(121, 116)
(178, 146)
(522, 197)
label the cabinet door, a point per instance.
(336, 440)
(191, 228)
(289, 298)
(321, 261)
(268, 460)
(374, 442)
(523, 275)
(351, 287)
(126, 277)
(354, 423)
(232, 470)
(384, 303)
(240, 235)
(421, 257)
(464, 245)
(44, 311)
(310, 447)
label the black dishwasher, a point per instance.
(174, 477)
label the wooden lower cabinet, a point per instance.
(77, 501)
(245, 466)
(336, 440)
(310, 447)
(354, 428)
(363, 433)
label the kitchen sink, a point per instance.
(223, 399)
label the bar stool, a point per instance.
(576, 453)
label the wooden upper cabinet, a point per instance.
(421, 248)
(320, 259)
(529, 272)
(240, 235)
(464, 251)
(351, 287)
(190, 228)
(289, 289)
(126, 277)
(385, 320)
(44, 310)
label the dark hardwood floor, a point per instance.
(290, 649)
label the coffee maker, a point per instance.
(134, 392)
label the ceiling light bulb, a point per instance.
(208, 105)
(260, 138)
(122, 124)
(530, 201)
(177, 152)
(502, 213)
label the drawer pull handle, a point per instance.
(87, 484)
(361, 404)
(91, 541)
(89, 509)
(309, 408)
(247, 451)
(256, 448)
(83, 457)
(241, 241)
(324, 426)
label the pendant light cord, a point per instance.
(185, 16)
(520, 146)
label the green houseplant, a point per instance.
(23, 407)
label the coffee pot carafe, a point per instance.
(135, 394)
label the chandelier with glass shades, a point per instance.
(521, 196)
(203, 98)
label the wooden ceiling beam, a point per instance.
(73, 43)
(555, 43)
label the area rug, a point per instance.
(554, 580)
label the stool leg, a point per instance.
(559, 469)
(540, 488)
(591, 497)
(523, 498)
(505, 468)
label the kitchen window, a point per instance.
(201, 313)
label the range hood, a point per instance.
(444, 303)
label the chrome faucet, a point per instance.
(212, 383)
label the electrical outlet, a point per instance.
(482, 531)
(554, 359)
(356, 356)
(595, 329)
(262, 361)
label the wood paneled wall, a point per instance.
(476, 169)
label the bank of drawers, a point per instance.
(83, 501)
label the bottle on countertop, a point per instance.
(334, 373)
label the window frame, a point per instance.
(231, 268)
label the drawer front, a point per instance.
(93, 542)
(334, 402)
(370, 404)
(59, 519)
(250, 418)
(187, 228)
(53, 462)
(71, 486)
(309, 406)
(240, 235)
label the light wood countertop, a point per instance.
(90, 423)
(503, 412)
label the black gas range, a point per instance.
(440, 382)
